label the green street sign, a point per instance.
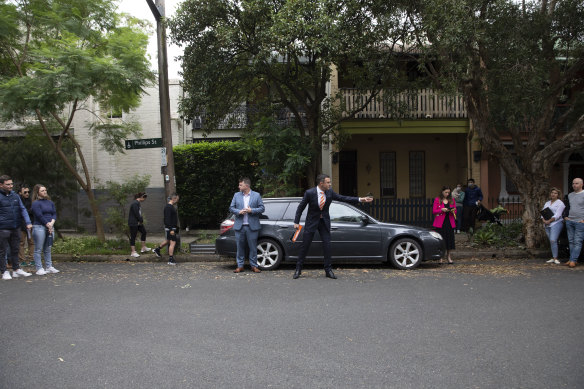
(132, 144)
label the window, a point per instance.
(291, 212)
(274, 211)
(387, 174)
(342, 213)
(417, 174)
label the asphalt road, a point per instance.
(480, 324)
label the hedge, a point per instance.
(207, 176)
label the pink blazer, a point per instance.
(437, 210)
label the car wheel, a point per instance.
(405, 254)
(270, 254)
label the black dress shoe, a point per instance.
(330, 274)
(297, 274)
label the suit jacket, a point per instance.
(440, 216)
(257, 208)
(314, 212)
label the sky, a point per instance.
(140, 9)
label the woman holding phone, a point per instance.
(444, 210)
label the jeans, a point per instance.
(243, 236)
(553, 232)
(458, 216)
(9, 240)
(575, 236)
(41, 244)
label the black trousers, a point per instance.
(307, 237)
(134, 231)
(469, 215)
(9, 238)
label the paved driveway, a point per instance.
(481, 324)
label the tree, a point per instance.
(280, 54)
(521, 69)
(58, 54)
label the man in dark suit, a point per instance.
(318, 219)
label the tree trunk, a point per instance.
(533, 199)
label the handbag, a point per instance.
(546, 213)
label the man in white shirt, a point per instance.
(574, 217)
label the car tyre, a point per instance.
(270, 254)
(406, 254)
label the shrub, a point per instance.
(207, 175)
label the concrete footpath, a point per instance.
(463, 252)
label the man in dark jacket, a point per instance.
(25, 238)
(318, 200)
(170, 228)
(11, 213)
(473, 196)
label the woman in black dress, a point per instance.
(444, 210)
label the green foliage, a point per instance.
(280, 54)
(494, 235)
(31, 161)
(117, 216)
(282, 157)
(88, 245)
(207, 177)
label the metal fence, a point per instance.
(418, 212)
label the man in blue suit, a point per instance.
(247, 206)
(319, 200)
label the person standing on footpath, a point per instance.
(555, 224)
(473, 196)
(458, 196)
(45, 215)
(170, 228)
(319, 200)
(136, 223)
(25, 235)
(247, 206)
(11, 213)
(444, 209)
(574, 217)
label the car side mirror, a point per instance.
(364, 219)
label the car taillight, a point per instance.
(226, 226)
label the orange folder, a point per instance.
(296, 233)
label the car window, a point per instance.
(342, 213)
(274, 210)
(291, 212)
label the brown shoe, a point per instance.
(572, 264)
(238, 270)
(255, 270)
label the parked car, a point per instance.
(355, 236)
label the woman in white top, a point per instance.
(554, 225)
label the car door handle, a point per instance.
(334, 228)
(283, 226)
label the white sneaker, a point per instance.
(145, 250)
(52, 270)
(556, 262)
(551, 261)
(20, 273)
(6, 275)
(134, 254)
(41, 272)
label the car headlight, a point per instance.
(436, 235)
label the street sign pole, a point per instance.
(158, 11)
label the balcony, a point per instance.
(424, 104)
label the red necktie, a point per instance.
(322, 200)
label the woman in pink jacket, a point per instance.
(444, 210)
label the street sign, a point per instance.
(132, 144)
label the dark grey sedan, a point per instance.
(355, 236)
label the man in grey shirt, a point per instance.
(574, 217)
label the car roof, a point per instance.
(282, 198)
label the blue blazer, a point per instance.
(257, 208)
(314, 212)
